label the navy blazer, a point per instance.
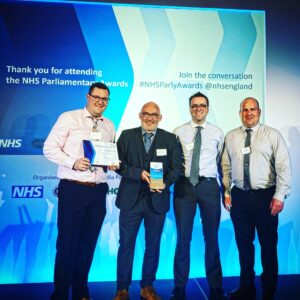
(134, 160)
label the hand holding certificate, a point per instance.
(101, 153)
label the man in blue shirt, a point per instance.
(202, 145)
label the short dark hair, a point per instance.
(99, 85)
(199, 94)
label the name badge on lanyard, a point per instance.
(246, 150)
(95, 136)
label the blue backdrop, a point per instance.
(49, 55)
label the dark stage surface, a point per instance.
(288, 289)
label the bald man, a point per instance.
(257, 179)
(138, 147)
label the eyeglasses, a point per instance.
(196, 106)
(98, 99)
(252, 109)
(147, 115)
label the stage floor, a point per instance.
(197, 289)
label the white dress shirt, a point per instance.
(64, 144)
(269, 160)
(212, 139)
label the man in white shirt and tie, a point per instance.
(256, 177)
(81, 192)
(202, 144)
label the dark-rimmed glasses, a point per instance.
(196, 106)
(147, 115)
(98, 99)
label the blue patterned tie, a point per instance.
(194, 175)
(147, 140)
(247, 182)
(95, 125)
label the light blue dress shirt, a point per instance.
(212, 139)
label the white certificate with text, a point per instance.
(101, 153)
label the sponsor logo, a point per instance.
(10, 143)
(27, 191)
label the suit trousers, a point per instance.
(129, 224)
(205, 195)
(81, 211)
(251, 211)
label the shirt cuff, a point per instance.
(69, 162)
(226, 194)
(279, 196)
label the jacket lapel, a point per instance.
(156, 144)
(139, 145)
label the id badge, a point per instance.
(246, 150)
(95, 136)
(161, 152)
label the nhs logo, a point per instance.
(10, 143)
(27, 191)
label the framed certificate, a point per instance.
(101, 153)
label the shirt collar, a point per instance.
(253, 128)
(154, 131)
(194, 125)
(87, 114)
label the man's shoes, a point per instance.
(122, 295)
(243, 293)
(148, 293)
(178, 294)
(217, 294)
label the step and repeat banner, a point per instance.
(51, 52)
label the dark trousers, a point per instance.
(251, 210)
(81, 211)
(206, 194)
(129, 224)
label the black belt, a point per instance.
(206, 178)
(85, 183)
(254, 190)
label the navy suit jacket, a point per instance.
(134, 160)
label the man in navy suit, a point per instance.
(138, 147)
